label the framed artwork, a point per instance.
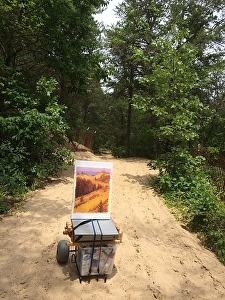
(92, 190)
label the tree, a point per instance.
(132, 44)
(173, 91)
(48, 52)
(131, 36)
(174, 103)
(120, 45)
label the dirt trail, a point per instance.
(157, 259)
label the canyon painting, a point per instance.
(92, 190)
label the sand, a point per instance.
(157, 258)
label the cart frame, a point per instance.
(73, 248)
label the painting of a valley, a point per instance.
(92, 192)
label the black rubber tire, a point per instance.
(62, 254)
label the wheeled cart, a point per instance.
(92, 252)
(94, 237)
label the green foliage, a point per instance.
(179, 113)
(32, 130)
(178, 162)
(170, 47)
(143, 143)
(118, 151)
(3, 204)
(172, 100)
(212, 129)
(46, 59)
(215, 237)
(128, 42)
(40, 42)
(196, 203)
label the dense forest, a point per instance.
(152, 85)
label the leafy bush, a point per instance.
(31, 140)
(186, 187)
(118, 151)
(3, 204)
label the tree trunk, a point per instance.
(129, 111)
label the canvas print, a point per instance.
(92, 190)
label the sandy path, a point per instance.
(157, 259)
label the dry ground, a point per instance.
(158, 259)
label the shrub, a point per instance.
(186, 187)
(31, 140)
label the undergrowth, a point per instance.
(195, 202)
(14, 188)
(201, 212)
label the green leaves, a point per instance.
(172, 80)
(45, 86)
(48, 49)
(31, 138)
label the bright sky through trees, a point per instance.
(108, 16)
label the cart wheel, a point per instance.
(62, 253)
